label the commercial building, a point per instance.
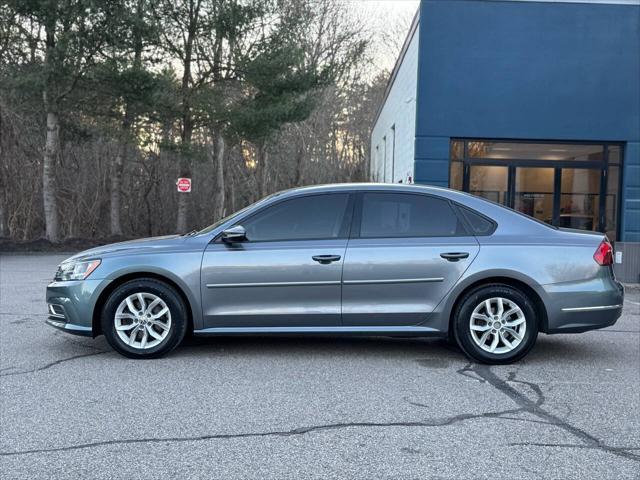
(533, 104)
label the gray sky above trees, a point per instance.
(389, 22)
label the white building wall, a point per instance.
(393, 135)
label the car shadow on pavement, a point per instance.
(426, 351)
(316, 345)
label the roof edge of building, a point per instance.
(396, 67)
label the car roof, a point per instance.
(332, 187)
(390, 187)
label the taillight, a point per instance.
(604, 253)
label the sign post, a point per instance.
(184, 185)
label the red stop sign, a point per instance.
(184, 185)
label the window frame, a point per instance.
(345, 227)
(357, 216)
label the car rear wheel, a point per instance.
(144, 318)
(495, 324)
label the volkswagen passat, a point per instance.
(391, 260)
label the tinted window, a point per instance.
(312, 217)
(406, 215)
(479, 224)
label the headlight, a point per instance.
(75, 270)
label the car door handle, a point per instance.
(326, 259)
(454, 256)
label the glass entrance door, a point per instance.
(490, 182)
(580, 198)
(534, 192)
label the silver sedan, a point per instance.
(349, 259)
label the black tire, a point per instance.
(462, 318)
(175, 304)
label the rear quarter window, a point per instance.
(480, 225)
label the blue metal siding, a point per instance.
(527, 70)
(630, 226)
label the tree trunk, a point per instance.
(263, 170)
(4, 230)
(219, 211)
(299, 161)
(183, 207)
(118, 161)
(117, 170)
(232, 195)
(187, 117)
(52, 141)
(116, 188)
(48, 177)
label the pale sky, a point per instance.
(389, 21)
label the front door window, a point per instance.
(309, 217)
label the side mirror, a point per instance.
(234, 234)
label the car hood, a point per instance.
(151, 243)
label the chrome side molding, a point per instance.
(591, 309)
(393, 280)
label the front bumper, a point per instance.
(70, 327)
(71, 305)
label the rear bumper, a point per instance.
(577, 307)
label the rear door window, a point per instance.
(388, 215)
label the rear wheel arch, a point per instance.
(104, 295)
(518, 284)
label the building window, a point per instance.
(572, 185)
(376, 166)
(393, 153)
(535, 151)
(455, 175)
(384, 160)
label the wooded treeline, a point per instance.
(105, 103)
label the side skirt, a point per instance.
(409, 331)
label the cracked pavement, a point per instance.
(309, 407)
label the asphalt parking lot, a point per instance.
(309, 407)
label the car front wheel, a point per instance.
(496, 324)
(144, 318)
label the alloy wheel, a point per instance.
(497, 325)
(142, 320)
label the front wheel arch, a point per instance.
(96, 326)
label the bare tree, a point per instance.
(245, 96)
(65, 39)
